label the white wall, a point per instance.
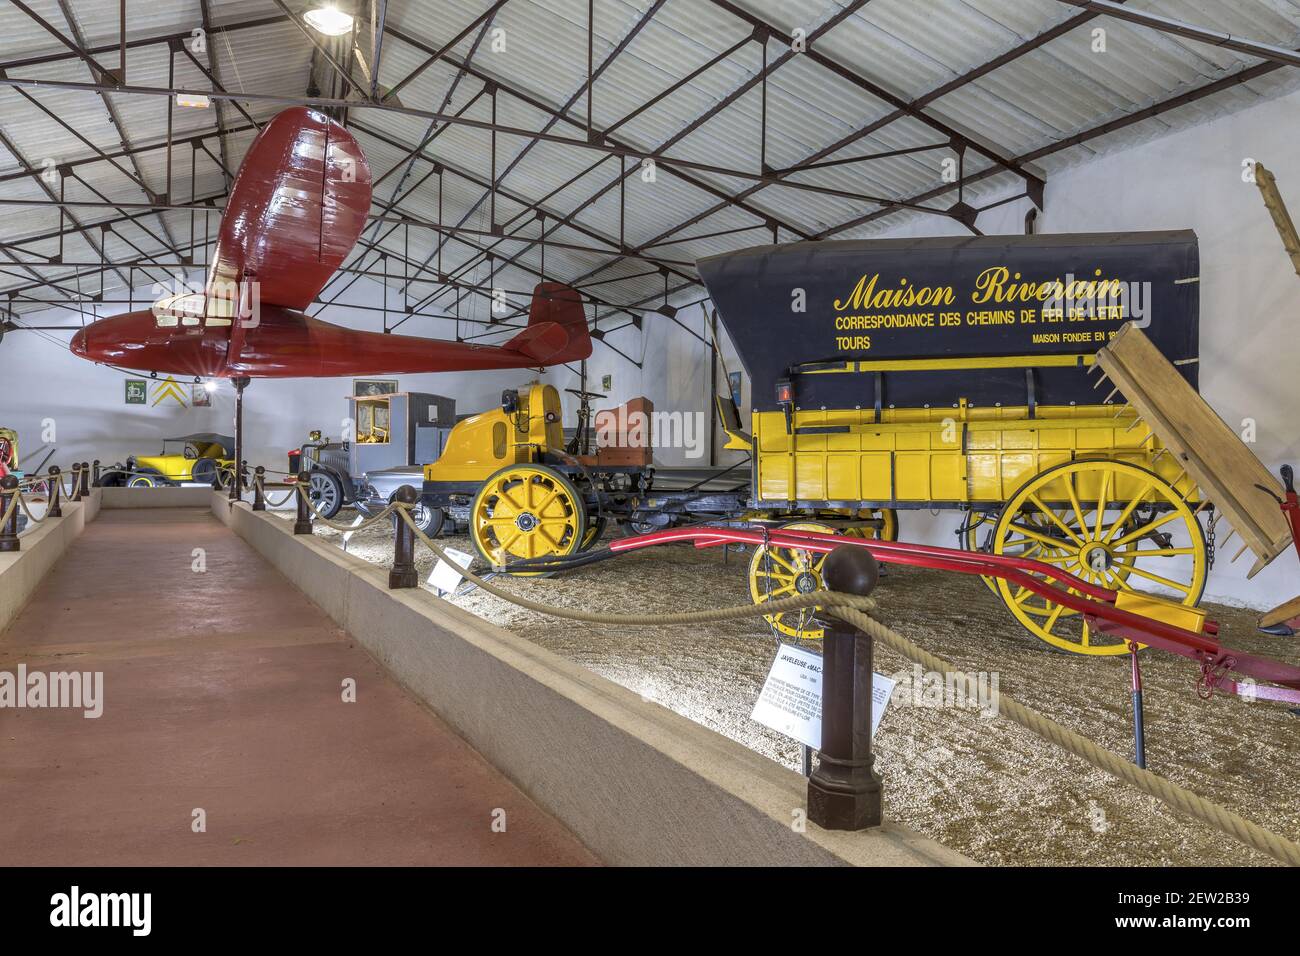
(1250, 328)
(42, 383)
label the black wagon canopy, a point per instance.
(961, 310)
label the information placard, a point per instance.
(447, 577)
(791, 700)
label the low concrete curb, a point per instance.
(639, 784)
(42, 545)
(165, 497)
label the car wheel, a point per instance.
(326, 493)
(204, 470)
(145, 478)
(427, 518)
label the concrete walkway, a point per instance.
(223, 693)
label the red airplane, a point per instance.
(298, 205)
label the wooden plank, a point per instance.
(1282, 614)
(1211, 452)
(1277, 209)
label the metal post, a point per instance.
(844, 792)
(237, 482)
(403, 573)
(303, 524)
(1139, 723)
(9, 540)
(76, 482)
(85, 479)
(95, 475)
(259, 494)
(54, 479)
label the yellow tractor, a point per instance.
(507, 475)
(508, 470)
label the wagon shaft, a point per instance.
(1140, 618)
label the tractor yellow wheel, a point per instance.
(1091, 518)
(594, 530)
(784, 572)
(887, 531)
(527, 511)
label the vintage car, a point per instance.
(190, 458)
(379, 487)
(392, 430)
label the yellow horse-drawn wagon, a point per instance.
(955, 374)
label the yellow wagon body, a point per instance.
(962, 457)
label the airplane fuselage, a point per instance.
(278, 343)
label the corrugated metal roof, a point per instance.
(843, 99)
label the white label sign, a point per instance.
(347, 535)
(447, 577)
(791, 701)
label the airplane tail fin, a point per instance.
(557, 326)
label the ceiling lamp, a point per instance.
(329, 20)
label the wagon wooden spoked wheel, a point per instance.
(977, 535)
(527, 511)
(1110, 523)
(784, 572)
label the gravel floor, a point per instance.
(980, 785)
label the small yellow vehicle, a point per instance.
(507, 474)
(195, 458)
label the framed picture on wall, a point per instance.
(366, 387)
(200, 397)
(137, 391)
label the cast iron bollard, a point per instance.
(303, 524)
(403, 573)
(55, 480)
(76, 482)
(94, 470)
(844, 790)
(259, 495)
(9, 540)
(85, 479)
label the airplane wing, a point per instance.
(297, 207)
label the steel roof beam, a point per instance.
(878, 91)
(1265, 51)
(555, 116)
(1003, 59)
(114, 118)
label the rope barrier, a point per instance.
(1233, 824)
(22, 499)
(275, 504)
(337, 526)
